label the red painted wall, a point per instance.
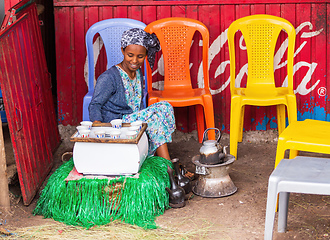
(312, 65)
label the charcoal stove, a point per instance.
(213, 179)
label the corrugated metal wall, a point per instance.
(26, 88)
(310, 18)
(46, 24)
(10, 3)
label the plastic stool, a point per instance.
(299, 175)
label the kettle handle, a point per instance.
(216, 131)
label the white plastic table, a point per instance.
(307, 175)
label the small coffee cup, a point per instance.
(137, 123)
(84, 133)
(134, 129)
(108, 132)
(115, 134)
(116, 123)
(79, 128)
(100, 134)
(131, 134)
(87, 123)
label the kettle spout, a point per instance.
(225, 150)
(222, 156)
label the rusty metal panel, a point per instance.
(46, 25)
(43, 81)
(25, 85)
(311, 63)
(10, 3)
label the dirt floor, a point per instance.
(238, 216)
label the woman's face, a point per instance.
(134, 56)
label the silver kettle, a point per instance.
(211, 151)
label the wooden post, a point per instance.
(4, 189)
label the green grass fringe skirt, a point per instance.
(89, 202)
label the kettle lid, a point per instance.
(210, 143)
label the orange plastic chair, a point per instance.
(175, 36)
(308, 135)
(260, 33)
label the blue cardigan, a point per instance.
(109, 100)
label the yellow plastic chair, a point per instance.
(260, 33)
(175, 35)
(308, 135)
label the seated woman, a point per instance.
(118, 92)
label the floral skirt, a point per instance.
(161, 123)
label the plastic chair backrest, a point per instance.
(260, 34)
(175, 36)
(110, 31)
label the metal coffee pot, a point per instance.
(211, 152)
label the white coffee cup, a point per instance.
(107, 133)
(116, 123)
(131, 134)
(79, 128)
(135, 129)
(87, 123)
(84, 133)
(137, 123)
(100, 134)
(115, 133)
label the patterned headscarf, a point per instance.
(140, 37)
